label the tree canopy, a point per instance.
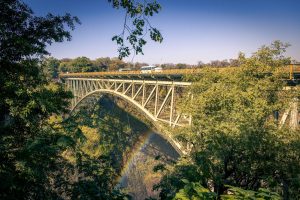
(235, 138)
(28, 151)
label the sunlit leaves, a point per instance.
(236, 193)
(152, 8)
(91, 144)
(136, 26)
(155, 35)
(194, 191)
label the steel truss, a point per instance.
(158, 100)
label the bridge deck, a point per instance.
(164, 74)
(292, 74)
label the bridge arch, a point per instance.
(166, 136)
(155, 99)
(121, 95)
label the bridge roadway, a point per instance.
(292, 74)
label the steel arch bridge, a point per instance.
(156, 95)
(158, 100)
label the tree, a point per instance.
(138, 13)
(200, 64)
(51, 67)
(28, 152)
(181, 66)
(102, 64)
(65, 65)
(219, 63)
(82, 64)
(116, 64)
(234, 63)
(103, 137)
(196, 191)
(33, 140)
(235, 139)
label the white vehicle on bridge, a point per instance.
(125, 69)
(150, 69)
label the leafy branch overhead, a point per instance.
(136, 25)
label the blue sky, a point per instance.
(193, 30)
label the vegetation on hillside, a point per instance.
(101, 138)
(29, 152)
(41, 156)
(235, 137)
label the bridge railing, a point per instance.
(109, 73)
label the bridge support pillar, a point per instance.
(291, 113)
(294, 114)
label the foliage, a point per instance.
(51, 66)
(82, 64)
(29, 154)
(42, 156)
(236, 140)
(138, 12)
(96, 144)
(238, 193)
(90, 167)
(194, 191)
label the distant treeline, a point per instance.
(55, 66)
